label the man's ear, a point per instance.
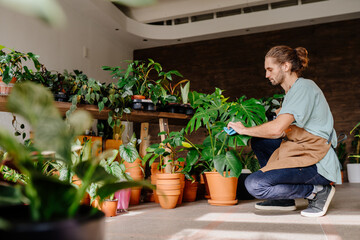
(286, 66)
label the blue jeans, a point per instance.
(287, 183)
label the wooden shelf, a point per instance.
(135, 116)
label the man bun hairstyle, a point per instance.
(298, 57)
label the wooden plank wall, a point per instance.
(235, 64)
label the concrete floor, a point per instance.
(199, 220)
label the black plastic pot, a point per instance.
(188, 109)
(87, 225)
(172, 107)
(148, 105)
(137, 104)
(61, 97)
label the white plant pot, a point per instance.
(353, 170)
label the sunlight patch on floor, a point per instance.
(192, 234)
(277, 219)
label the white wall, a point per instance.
(61, 49)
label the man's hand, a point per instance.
(238, 127)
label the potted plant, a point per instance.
(169, 187)
(219, 150)
(130, 157)
(353, 168)
(52, 204)
(188, 110)
(12, 69)
(110, 205)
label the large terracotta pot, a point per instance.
(222, 189)
(168, 189)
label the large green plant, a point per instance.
(219, 151)
(48, 197)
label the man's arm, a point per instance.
(272, 129)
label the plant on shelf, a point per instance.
(49, 199)
(11, 65)
(143, 80)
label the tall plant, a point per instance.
(214, 112)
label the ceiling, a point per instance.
(179, 21)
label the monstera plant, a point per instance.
(219, 151)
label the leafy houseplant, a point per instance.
(271, 104)
(11, 65)
(49, 198)
(143, 78)
(219, 150)
(353, 167)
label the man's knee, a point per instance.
(254, 185)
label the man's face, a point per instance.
(274, 71)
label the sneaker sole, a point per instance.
(326, 206)
(276, 208)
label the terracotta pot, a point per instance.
(135, 171)
(190, 191)
(96, 203)
(77, 181)
(5, 89)
(222, 189)
(168, 189)
(137, 97)
(83, 138)
(153, 182)
(182, 185)
(168, 199)
(204, 181)
(109, 207)
(113, 144)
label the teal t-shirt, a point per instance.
(307, 103)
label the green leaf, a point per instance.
(128, 153)
(101, 106)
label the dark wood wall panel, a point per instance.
(235, 64)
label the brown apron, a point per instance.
(300, 149)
